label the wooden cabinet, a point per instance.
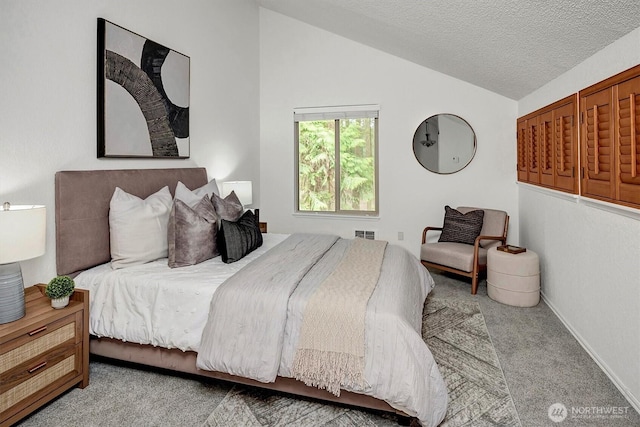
(609, 135)
(523, 151)
(610, 139)
(533, 148)
(43, 354)
(565, 130)
(628, 155)
(548, 146)
(597, 141)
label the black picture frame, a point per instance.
(143, 96)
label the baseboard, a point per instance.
(633, 400)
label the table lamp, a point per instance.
(22, 237)
(243, 189)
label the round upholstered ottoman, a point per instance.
(513, 279)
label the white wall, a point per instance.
(303, 66)
(48, 98)
(590, 257)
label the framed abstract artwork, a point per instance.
(143, 96)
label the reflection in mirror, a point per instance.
(444, 143)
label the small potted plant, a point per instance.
(59, 289)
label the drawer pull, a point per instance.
(37, 331)
(35, 368)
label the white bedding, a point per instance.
(126, 304)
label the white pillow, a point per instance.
(193, 197)
(138, 228)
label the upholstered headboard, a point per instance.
(82, 208)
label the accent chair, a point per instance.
(466, 259)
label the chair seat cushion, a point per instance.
(455, 255)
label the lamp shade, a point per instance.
(22, 232)
(22, 236)
(243, 189)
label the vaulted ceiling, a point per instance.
(511, 47)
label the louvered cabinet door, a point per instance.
(545, 151)
(533, 169)
(523, 148)
(628, 121)
(598, 145)
(566, 143)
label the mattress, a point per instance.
(153, 304)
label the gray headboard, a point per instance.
(82, 208)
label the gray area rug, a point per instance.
(122, 395)
(457, 336)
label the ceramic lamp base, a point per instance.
(11, 293)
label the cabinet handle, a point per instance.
(35, 368)
(596, 154)
(632, 108)
(37, 331)
(544, 145)
(561, 143)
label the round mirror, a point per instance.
(444, 143)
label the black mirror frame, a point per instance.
(475, 144)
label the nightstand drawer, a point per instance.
(40, 340)
(38, 377)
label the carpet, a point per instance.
(456, 333)
(123, 395)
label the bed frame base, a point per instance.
(185, 362)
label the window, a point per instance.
(337, 160)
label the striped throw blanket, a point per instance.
(330, 350)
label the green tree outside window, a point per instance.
(342, 152)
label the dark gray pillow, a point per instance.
(229, 208)
(237, 239)
(461, 228)
(192, 233)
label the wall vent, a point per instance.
(366, 234)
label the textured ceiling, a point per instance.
(511, 47)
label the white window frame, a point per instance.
(336, 113)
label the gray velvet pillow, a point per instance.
(461, 228)
(237, 239)
(229, 208)
(192, 233)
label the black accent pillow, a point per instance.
(237, 239)
(461, 228)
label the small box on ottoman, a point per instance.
(513, 279)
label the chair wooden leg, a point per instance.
(474, 284)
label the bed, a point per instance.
(133, 310)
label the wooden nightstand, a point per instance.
(43, 354)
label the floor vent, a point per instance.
(366, 234)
